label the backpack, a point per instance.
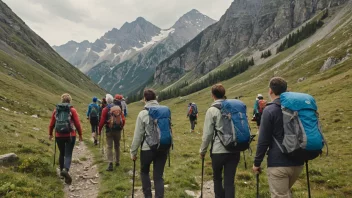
(236, 131)
(160, 134)
(114, 121)
(194, 110)
(303, 138)
(63, 118)
(94, 112)
(261, 105)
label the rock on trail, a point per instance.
(85, 176)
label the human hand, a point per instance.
(50, 137)
(134, 157)
(80, 138)
(202, 156)
(257, 170)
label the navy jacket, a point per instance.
(272, 125)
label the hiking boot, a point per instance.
(110, 167)
(117, 164)
(95, 142)
(68, 179)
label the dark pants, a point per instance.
(192, 120)
(94, 122)
(258, 118)
(65, 146)
(227, 162)
(159, 160)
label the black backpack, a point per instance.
(63, 118)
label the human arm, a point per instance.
(52, 125)
(139, 132)
(76, 122)
(102, 119)
(265, 137)
(208, 131)
(88, 111)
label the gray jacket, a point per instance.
(142, 128)
(212, 121)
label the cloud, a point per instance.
(59, 21)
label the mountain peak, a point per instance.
(195, 18)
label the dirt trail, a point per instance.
(85, 176)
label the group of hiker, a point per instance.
(289, 133)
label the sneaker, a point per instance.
(110, 167)
(68, 179)
(95, 142)
(117, 164)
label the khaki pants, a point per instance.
(281, 179)
(113, 138)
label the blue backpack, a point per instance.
(303, 137)
(236, 135)
(160, 133)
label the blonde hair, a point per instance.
(66, 98)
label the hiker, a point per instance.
(113, 119)
(259, 106)
(192, 114)
(222, 158)
(282, 171)
(93, 115)
(150, 151)
(63, 120)
(124, 105)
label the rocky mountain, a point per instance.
(124, 59)
(114, 46)
(26, 57)
(246, 24)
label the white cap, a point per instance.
(260, 95)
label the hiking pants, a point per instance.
(113, 139)
(94, 122)
(227, 162)
(258, 118)
(192, 120)
(281, 179)
(65, 145)
(159, 160)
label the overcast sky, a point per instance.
(59, 21)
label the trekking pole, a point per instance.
(99, 140)
(257, 175)
(308, 179)
(169, 159)
(54, 151)
(102, 149)
(201, 187)
(134, 174)
(124, 140)
(245, 162)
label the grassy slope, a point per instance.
(33, 86)
(332, 89)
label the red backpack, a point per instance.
(261, 105)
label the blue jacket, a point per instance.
(90, 106)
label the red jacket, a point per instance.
(74, 121)
(104, 116)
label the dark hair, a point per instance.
(278, 85)
(149, 94)
(218, 91)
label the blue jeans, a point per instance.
(65, 146)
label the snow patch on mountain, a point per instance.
(163, 35)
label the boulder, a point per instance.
(8, 158)
(301, 79)
(329, 63)
(190, 193)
